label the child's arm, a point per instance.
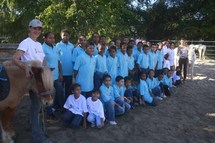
(85, 120)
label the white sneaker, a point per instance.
(164, 96)
(93, 125)
(113, 123)
(159, 98)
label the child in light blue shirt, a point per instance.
(159, 54)
(80, 49)
(84, 70)
(167, 82)
(101, 66)
(131, 68)
(66, 51)
(119, 90)
(154, 89)
(152, 58)
(107, 98)
(138, 51)
(143, 60)
(112, 63)
(144, 91)
(122, 61)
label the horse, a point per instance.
(192, 59)
(201, 50)
(41, 82)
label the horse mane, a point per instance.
(47, 78)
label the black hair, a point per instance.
(89, 43)
(127, 78)
(118, 78)
(75, 85)
(122, 43)
(95, 33)
(141, 73)
(65, 31)
(112, 48)
(140, 43)
(151, 70)
(45, 35)
(129, 47)
(96, 91)
(106, 76)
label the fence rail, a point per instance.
(8, 49)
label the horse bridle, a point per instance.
(45, 93)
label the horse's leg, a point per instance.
(200, 53)
(203, 52)
(7, 117)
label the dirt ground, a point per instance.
(186, 117)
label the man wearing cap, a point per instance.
(29, 49)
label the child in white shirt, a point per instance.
(76, 108)
(166, 62)
(96, 111)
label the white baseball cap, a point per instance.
(35, 23)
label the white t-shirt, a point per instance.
(76, 106)
(175, 77)
(171, 56)
(164, 50)
(166, 64)
(33, 50)
(95, 107)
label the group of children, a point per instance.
(109, 79)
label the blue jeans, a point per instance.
(156, 91)
(67, 84)
(72, 119)
(109, 110)
(98, 79)
(37, 133)
(124, 106)
(96, 120)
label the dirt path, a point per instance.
(186, 117)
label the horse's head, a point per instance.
(44, 84)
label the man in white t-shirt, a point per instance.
(29, 49)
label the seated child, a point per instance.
(76, 108)
(177, 76)
(95, 109)
(153, 88)
(167, 82)
(144, 91)
(159, 82)
(119, 98)
(107, 99)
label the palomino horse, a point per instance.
(201, 49)
(41, 82)
(192, 59)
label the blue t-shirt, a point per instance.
(157, 81)
(112, 66)
(159, 60)
(167, 81)
(143, 60)
(66, 51)
(118, 91)
(123, 64)
(106, 93)
(152, 60)
(130, 62)
(151, 83)
(101, 64)
(76, 52)
(136, 54)
(52, 57)
(144, 91)
(95, 50)
(85, 65)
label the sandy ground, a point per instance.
(186, 117)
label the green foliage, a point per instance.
(193, 19)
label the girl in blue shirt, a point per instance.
(144, 91)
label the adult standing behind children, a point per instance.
(66, 50)
(84, 70)
(183, 57)
(95, 40)
(28, 50)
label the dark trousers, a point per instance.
(166, 90)
(67, 84)
(183, 63)
(72, 119)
